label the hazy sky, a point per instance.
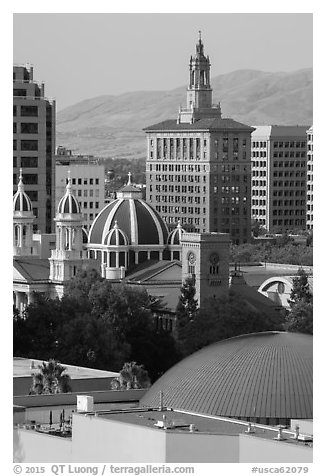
(81, 56)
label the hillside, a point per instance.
(112, 125)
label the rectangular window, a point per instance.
(15, 110)
(14, 129)
(28, 145)
(97, 181)
(30, 179)
(31, 111)
(29, 162)
(33, 194)
(29, 128)
(20, 92)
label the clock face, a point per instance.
(214, 258)
(191, 257)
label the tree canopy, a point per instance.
(95, 325)
(51, 378)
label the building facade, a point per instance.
(34, 144)
(310, 177)
(279, 175)
(87, 179)
(198, 165)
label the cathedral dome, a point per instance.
(174, 237)
(21, 201)
(141, 224)
(264, 377)
(68, 203)
(116, 237)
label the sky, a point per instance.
(84, 55)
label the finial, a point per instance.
(179, 224)
(68, 187)
(116, 224)
(129, 178)
(20, 181)
(199, 34)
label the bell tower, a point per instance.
(69, 255)
(199, 92)
(23, 220)
(205, 258)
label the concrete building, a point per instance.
(198, 165)
(218, 405)
(310, 179)
(279, 177)
(87, 178)
(34, 144)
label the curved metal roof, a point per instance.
(138, 220)
(263, 375)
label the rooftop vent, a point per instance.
(250, 428)
(280, 436)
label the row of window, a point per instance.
(286, 203)
(26, 111)
(257, 202)
(261, 153)
(86, 193)
(179, 188)
(85, 181)
(258, 144)
(289, 174)
(290, 164)
(26, 127)
(89, 205)
(259, 173)
(26, 162)
(286, 144)
(179, 199)
(26, 145)
(289, 154)
(177, 209)
(289, 183)
(259, 183)
(289, 193)
(287, 221)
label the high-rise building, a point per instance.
(34, 144)
(198, 165)
(87, 179)
(310, 176)
(279, 174)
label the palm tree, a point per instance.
(131, 376)
(51, 379)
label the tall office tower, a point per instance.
(33, 144)
(310, 176)
(198, 165)
(87, 181)
(279, 164)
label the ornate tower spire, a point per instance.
(199, 91)
(23, 220)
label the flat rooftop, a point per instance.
(180, 421)
(26, 367)
(256, 275)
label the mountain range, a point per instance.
(112, 126)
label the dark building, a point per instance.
(34, 144)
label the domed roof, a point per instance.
(257, 376)
(175, 235)
(21, 201)
(138, 220)
(116, 237)
(68, 203)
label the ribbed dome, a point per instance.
(175, 235)
(21, 201)
(116, 237)
(138, 220)
(259, 376)
(68, 203)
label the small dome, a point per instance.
(116, 237)
(138, 220)
(174, 237)
(68, 203)
(21, 201)
(265, 377)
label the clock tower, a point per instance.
(205, 258)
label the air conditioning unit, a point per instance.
(85, 403)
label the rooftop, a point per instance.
(180, 421)
(201, 124)
(25, 367)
